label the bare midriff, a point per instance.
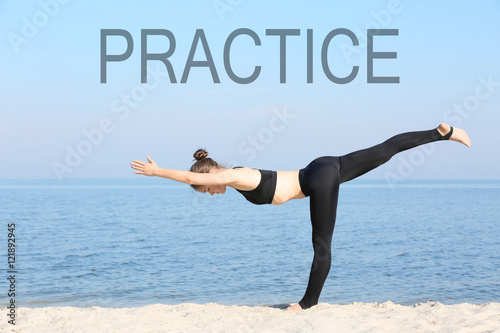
(287, 187)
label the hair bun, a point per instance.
(200, 154)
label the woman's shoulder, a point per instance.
(245, 178)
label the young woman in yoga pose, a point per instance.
(319, 181)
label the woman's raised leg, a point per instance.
(357, 163)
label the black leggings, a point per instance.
(320, 181)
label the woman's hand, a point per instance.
(143, 168)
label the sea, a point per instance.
(141, 241)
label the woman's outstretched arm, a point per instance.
(222, 177)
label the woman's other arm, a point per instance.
(223, 177)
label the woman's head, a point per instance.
(205, 164)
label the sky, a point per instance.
(58, 121)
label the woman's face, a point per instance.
(212, 189)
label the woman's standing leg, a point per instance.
(323, 186)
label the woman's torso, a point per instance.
(287, 187)
(287, 184)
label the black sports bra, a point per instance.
(264, 192)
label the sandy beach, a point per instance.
(211, 317)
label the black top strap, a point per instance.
(448, 135)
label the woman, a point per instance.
(319, 180)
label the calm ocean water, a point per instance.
(140, 241)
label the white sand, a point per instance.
(188, 317)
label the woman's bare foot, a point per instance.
(297, 307)
(458, 134)
(294, 308)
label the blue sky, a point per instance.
(53, 106)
